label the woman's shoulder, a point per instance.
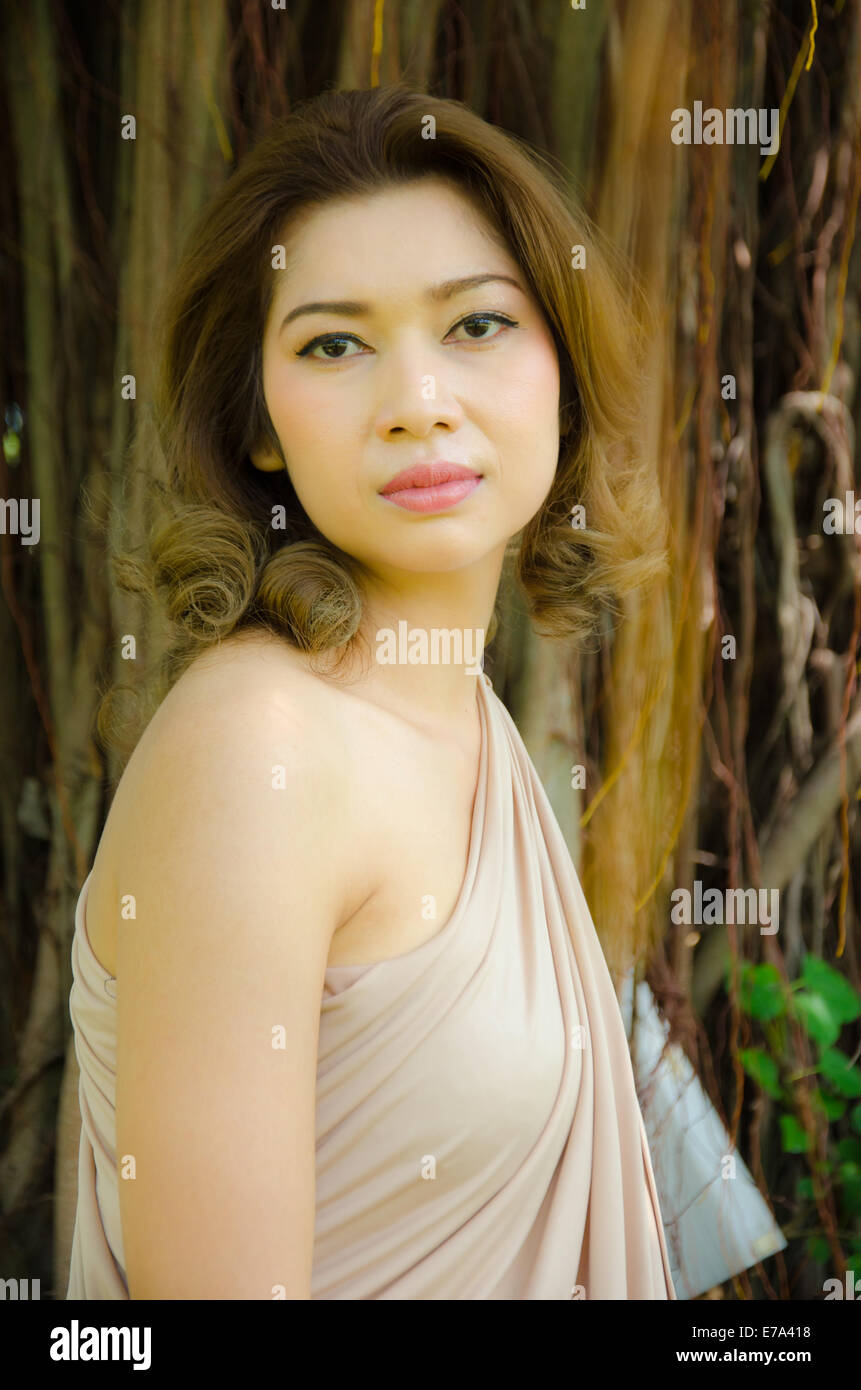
(247, 701)
(245, 718)
(244, 686)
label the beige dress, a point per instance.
(478, 1133)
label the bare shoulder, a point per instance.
(246, 721)
(237, 700)
(261, 677)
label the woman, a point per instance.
(344, 1025)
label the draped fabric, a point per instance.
(96, 1267)
(478, 1133)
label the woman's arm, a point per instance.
(238, 891)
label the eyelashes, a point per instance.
(325, 339)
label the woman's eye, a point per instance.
(338, 342)
(326, 340)
(479, 320)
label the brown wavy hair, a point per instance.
(215, 560)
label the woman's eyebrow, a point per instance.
(436, 293)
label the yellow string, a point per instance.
(814, 27)
(790, 88)
(378, 42)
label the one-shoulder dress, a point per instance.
(478, 1131)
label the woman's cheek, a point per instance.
(531, 397)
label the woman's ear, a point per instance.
(266, 461)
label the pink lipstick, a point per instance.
(431, 487)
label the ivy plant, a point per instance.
(823, 1002)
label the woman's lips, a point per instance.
(436, 498)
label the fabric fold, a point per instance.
(478, 1129)
(96, 1267)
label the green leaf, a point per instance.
(855, 1120)
(850, 1203)
(814, 1014)
(850, 1197)
(795, 1139)
(850, 1150)
(833, 1107)
(818, 1247)
(821, 978)
(761, 993)
(804, 1188)
(763, 1069)
(836, 1068)
(745, 972)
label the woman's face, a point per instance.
(408, 376)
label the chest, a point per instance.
(417, 806)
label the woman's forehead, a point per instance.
(431, 202)
(411, 240)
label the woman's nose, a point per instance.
(416, 399)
